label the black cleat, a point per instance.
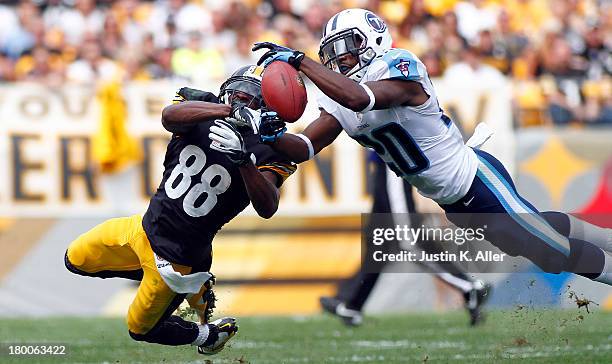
(209, 299)
(338, 308)
(204, 304)
(475, 299)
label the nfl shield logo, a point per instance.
(402, 66)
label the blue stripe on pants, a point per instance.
(515, 226)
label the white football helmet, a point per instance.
(356, 31)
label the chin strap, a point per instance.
(364, 63)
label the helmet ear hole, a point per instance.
(379, 40)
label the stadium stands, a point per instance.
(557, 52)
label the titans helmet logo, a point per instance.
(375, 22)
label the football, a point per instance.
(283, 91)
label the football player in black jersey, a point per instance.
(213, 168)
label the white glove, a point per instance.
(225, 138)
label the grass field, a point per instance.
(543, 336)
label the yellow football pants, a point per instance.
(121, 244)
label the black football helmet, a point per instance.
(244, 86)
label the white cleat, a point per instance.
(220, 331)
(338, 308)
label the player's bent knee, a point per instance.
(135, 275)
(72, 267)
(76, 257)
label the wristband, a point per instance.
(308, 144)
(371, 96)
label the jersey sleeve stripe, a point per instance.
(178, 99)
(283, 170)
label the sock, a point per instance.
(606, 274)
(459, 281)
(582, 230)
(202, 335)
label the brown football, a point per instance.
(283, 91)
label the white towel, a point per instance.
(482, 133)
(179, 283)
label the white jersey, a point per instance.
(420, 143)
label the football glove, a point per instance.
(225, 138)
(243, 117)
(278, 53)
(192, 94)
(271, 127)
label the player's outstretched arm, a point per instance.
(343, 90)
(350, 94)
(320, 133)
(179, 118)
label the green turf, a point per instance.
(571, 336)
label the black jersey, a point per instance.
(201, 190)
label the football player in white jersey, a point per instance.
(383, 98)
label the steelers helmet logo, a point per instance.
(254, 71)
(375, 22)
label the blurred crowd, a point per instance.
(556, 52)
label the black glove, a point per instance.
(271, 127)
(242, 116)
(192, 94)
(225, 138)
(278, 53)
